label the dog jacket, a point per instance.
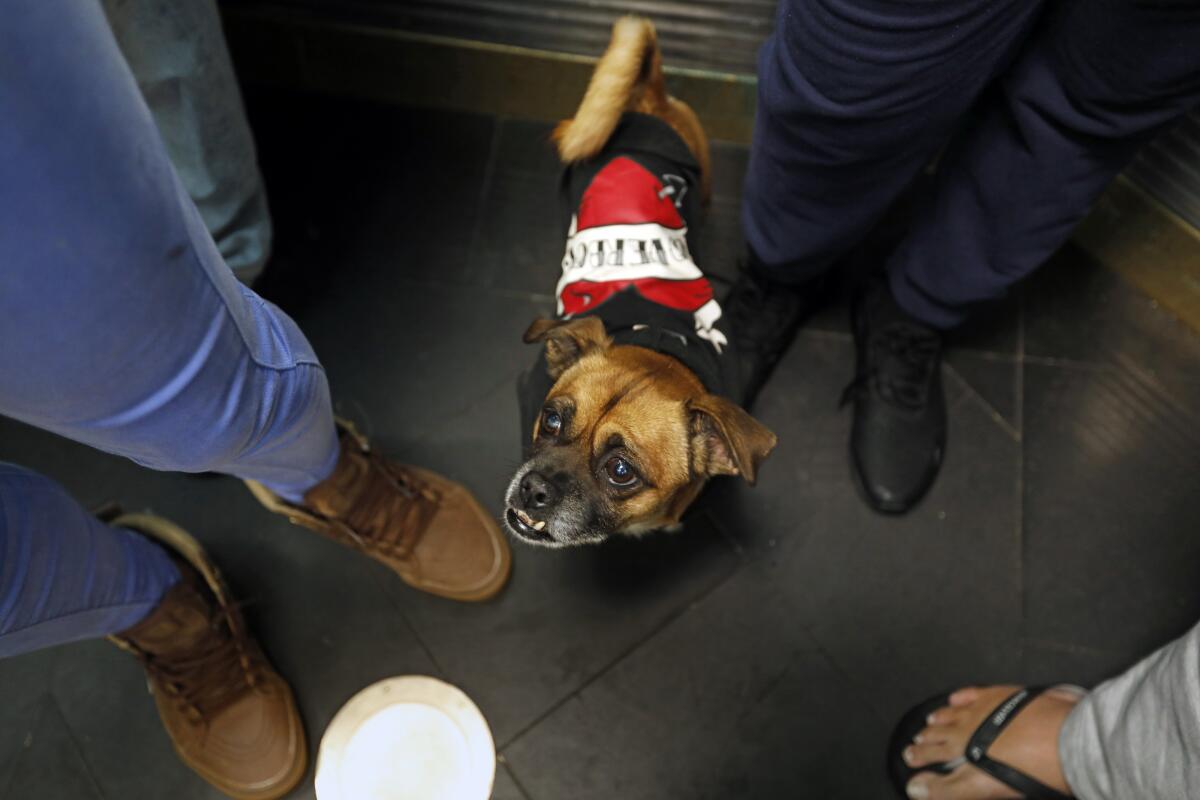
(630, 256)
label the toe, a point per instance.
(964, 696)
(932, 735)
(919, 787)
(964, 783)
(942, 717)
(921, 755)
(929, 786)
(958, 785)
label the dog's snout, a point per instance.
(536, 491)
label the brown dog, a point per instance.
(631, 405)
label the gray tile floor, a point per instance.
(762, 653)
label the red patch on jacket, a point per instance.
(626, 193)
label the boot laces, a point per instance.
(208, 677)
(393, 508)
(900, 361)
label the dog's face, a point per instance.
(625, 441)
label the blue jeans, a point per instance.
(178, 56)
(121, 327)
(856, 97)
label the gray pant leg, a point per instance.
(1137, 736)
(176, 51)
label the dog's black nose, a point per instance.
(536, 491)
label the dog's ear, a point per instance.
(725, 440)
(567, 341)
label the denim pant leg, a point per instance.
(120, 324)
(854, 98)
(178, 56)
(65, 576)
(1095, 82)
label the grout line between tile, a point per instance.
(628, 651)
(399, 608)
(964, 398)
(1019, 375)
(6, 778)
(986, 355)
(62, 718)
(1066, 647)
(817, 333)
(425, 647)
(1066, 363)
(726, 536)
(485, 189)
(845, 675)
(512, 774)
(8, 770)
(969, 393)
(516, 294)
(1019, 413)
(461, 411)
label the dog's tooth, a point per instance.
(537, 526)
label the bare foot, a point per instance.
(1029, 744)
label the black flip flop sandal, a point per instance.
(977, 746)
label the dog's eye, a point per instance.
(620, 472)
(551, 422)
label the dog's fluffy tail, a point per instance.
(631, 65)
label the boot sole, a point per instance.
(183, 544)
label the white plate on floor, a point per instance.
(407, 738)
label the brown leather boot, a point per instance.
(428, 529)
(230, 715)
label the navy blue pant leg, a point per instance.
(1094, 82)
(854, 98)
